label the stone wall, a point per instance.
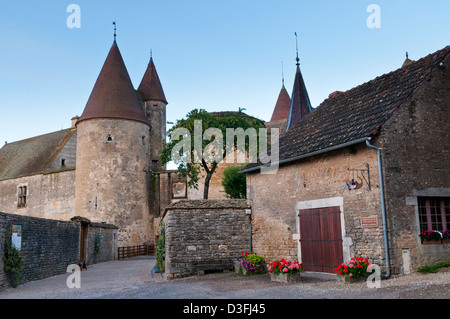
(108, 241)
(50, 246)
(314, 182)
(49, 195)
(205, 235)
(112, 181)
(415, 147)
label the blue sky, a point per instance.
(215, 54)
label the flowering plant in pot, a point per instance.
(285, 270)
(250, 263)
(354, 269)
(432, 236)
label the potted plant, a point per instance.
(431, 237)
(250, 263)
(285, 271)
(354, 270)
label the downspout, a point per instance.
(383, 208)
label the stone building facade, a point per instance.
(101, 167)
(374, 157)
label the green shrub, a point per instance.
(432, 269)
(160, 249)
(234, 183)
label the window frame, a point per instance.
(22, 193)
(434, 213)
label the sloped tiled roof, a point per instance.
(300, 104)
(281, 110)
(33, 155)
(151, 87)
(113, 95)
(357, 113)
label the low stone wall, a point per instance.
(49, 246)
(205, 235)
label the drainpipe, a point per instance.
(383, 207)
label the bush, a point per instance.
(234, 183)
(12, 259)
(160, 249)
(252, 262)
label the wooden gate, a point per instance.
(321, 239)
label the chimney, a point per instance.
(74, 120)
(334, 94)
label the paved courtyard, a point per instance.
(131, 279)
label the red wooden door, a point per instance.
(321, 239)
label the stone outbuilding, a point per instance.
(362, 175)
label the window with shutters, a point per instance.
(22, 196)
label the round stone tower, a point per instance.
(112, 183)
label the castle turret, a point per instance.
(153, 102)
(113, 136)
(300, 104)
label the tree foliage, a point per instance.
(234, 183)
(190, 163)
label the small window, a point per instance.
(63, 162)
(143, 140)
(22, 198)
(434, 213)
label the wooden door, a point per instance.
(83, 240)
(321, 239)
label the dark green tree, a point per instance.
(234, 183)
(195, 153)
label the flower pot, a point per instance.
(286, 278)
(351, 280)
(446, 241)
(431, 242)
(237, 267)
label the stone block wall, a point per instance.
(415, 147)
(276, 198)
(48, 246)
(205, 235)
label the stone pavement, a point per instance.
(131, 279)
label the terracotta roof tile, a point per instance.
(281, 110)
(150, 87)
(356, 113)
(113, 95)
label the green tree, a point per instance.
(194, 154)
(234, 183)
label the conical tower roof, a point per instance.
(150, 87)
(113, 95)
(281, 110)
(300, 103)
